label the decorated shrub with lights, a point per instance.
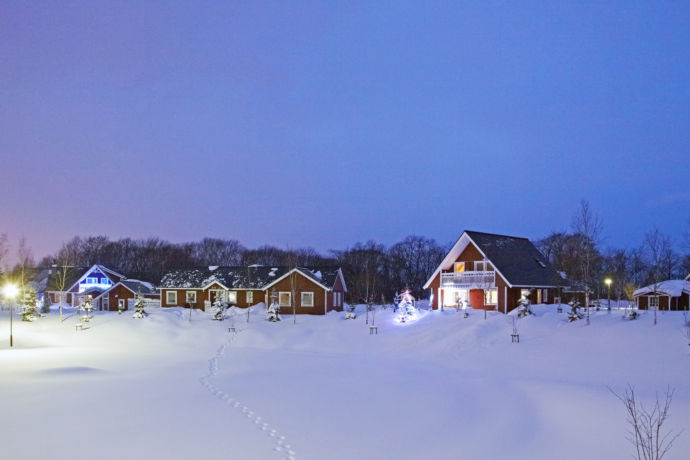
(350, 312)
(29, 307)
(406, 308)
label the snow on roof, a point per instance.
(673, 288)
(251, 277)
(212, 267)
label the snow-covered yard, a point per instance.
(442, 387)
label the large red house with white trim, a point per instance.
(489, 271)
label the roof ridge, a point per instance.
(498, 234)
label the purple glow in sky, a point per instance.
(326, 123)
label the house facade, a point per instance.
(122, 295)
(318, 289)
(489, 271)
(666, 295)
(79, 282)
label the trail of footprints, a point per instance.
(281, 444)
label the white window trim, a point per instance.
(249, 297)
(232, 297)
(171, 295)
(289, 294)
(187, 296)
(303, 303)
(464, 267)
(656, 301)
(487, 292)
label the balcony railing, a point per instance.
(469, 279)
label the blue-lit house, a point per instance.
(73, 284)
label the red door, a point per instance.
(477, 298)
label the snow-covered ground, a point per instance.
(441, 387)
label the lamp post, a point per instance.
(608, 291)
(10, 291)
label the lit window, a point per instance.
(105, 281)
(524, 293)
(232, 297)
(284, 299)
(250, 297)
(171, 297)
(459, 267)
(91, 280)
(307, 299)
(191, 297)
(491, 297)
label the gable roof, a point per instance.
(139, 287)
(672, 288)
(515, 259)
(251, 277)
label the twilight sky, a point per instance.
(326, 123)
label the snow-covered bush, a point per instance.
(139, 307)
(29, 306)
(631, 315)
(523, 308)
(273, 312)
(350, 312)
(574, 313)
(219, 309)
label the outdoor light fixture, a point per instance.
(608, 282)
(10, 291)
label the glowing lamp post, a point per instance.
(608, 282)
(10, 291)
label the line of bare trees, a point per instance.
(580, 255)
(371, 270)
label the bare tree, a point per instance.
(660, 258)
(646, 426)
(3, 252)
(587, 229)
(25, 262)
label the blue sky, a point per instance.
(326, 123)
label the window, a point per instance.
(232, 297)
(171, 297)
(483, 266)
(91, 280)
(121, 304)
(307, 299)
(191, 297)
(524, 293)
(250, 297)
(653, 301)
(284, 299)
(491, 297)
(545, 296)
(459, 267)
(105, 281)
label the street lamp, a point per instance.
(608, 282)
(10, 291)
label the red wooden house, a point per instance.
(317, 289)
(489, 271)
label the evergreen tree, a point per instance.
(406, 307)
(139, 307)
(273, 312)
(87, 307)
(219, 308)
(29, 306)
(574, 313)
(524, 308)
(45, 305)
